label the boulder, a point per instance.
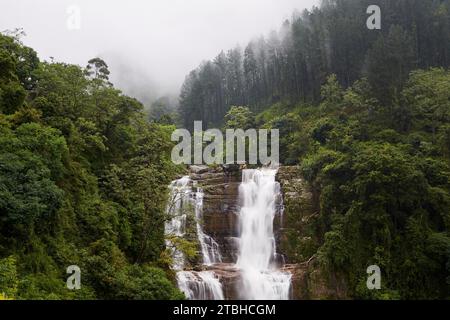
(198, 169)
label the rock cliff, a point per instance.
(299, 240)
(294, 230)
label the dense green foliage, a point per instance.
(382, 177)
(83, 181)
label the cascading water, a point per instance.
(210, 248)
(202, 285)
(257, 258)
(257, 251)
(176, 209)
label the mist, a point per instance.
(150, 46)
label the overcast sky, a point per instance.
(149, 43)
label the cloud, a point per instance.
(159, 40)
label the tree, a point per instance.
(98, 70)
(162, 107)
(12, 94)
(239, 118)
(389, 63)
(332, 94)
(428, 95)
(31, 161)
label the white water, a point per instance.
(257, 252)
(210, 248)
(177, 207)
(202, 285)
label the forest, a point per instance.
(364, 114)
(83, 181)
(291, 65)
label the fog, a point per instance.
(150, 45)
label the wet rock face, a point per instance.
(198, 169)
(220, 206)
(297, 238)
(296, 230)
(309, 282)
(230, 278)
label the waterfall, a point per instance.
(257, 263)
(179, 200)
(210, 248)
(257, 249)
(202, 285)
